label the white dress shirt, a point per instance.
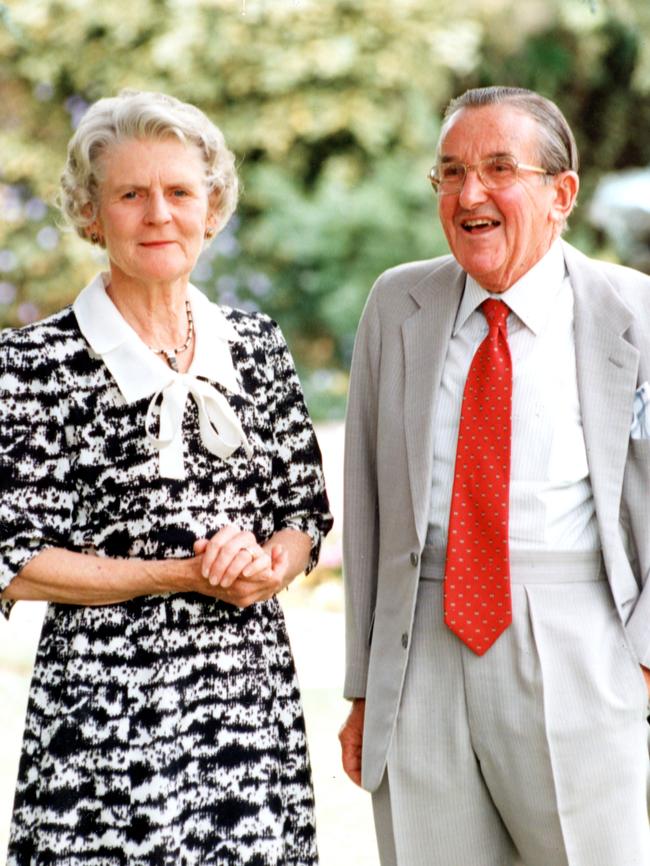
(551, 501)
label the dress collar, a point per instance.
(137, 370)
(140, 373)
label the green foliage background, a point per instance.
(332, 107)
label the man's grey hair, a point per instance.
(557, 147)
(142, 115)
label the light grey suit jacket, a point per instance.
(397, 366)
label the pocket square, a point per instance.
(640, 428)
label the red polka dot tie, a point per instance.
(477, 569)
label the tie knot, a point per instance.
(496, 312)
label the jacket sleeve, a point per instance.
(360, 504)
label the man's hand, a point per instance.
(351, 739)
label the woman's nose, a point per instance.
(157, 207)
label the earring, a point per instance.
(94, 238)
(209, 233)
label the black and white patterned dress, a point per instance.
(167, 729)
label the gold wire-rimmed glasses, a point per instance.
(494, 172)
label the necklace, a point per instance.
(171, 354)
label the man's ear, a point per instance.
(566, 185)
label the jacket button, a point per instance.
(414, 559)
(405, 640)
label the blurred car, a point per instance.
(620, 208)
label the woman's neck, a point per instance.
(158, 313)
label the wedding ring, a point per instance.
(248, 550)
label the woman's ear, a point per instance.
(211, 223)
(93, 230)
(213, 220)
(94, 233)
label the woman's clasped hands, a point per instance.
(237, 569)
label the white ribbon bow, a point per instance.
(219, 426)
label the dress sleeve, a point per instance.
(298, 485)
(36, 492)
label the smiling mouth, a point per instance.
(479, 225)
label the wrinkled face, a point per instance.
(498, 235)
(153, 209)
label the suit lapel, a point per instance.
(607, 368)
(426, 334)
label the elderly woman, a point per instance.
(160, 483)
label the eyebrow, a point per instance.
(487, 156)
(123, 187)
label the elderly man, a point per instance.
(498, 521)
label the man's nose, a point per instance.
(473, 191)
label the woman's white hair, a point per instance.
(142, 115)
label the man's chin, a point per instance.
(486, 272)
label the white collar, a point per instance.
(139, 373)
(531, 298)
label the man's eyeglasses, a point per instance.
(495, 172)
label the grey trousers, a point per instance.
(534, 754)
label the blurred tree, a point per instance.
(332, 108)
(595, 66)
